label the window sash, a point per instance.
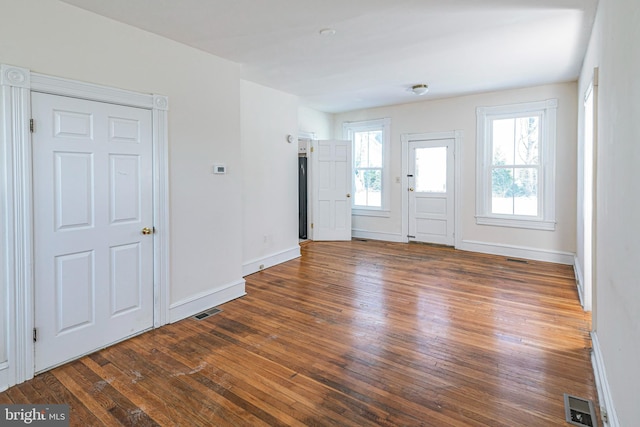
(544, 168)
(357, 196)
(350, 129)
(513, 197)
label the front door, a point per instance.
(93, 225)
(332, 190)
(431, 191)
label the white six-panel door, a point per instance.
(332, 176)
(431, 191)
(92, 166)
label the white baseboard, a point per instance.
(376, 235)
(4, 376)
(577, 270)
(258, 264)
(535, 254)
(604, 392)
(205, 300)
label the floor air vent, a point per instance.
(521, 261)
(579, 412)
(207, 313)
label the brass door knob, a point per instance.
(348, 195)
(410, 188)
(147, 230)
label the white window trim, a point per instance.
(546, 220)
(348, 128)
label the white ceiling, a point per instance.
(381, 47)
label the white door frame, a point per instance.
(406, 138)
(16, 203)
(587, 277)
(308, 139)
(318, 232)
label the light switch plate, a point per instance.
(219, 169)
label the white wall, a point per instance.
(54, 38)
(614, 49)
(318, 122)
(460, 114)
(270, 177)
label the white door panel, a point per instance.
(431, 191)
(93, 194)
(332, 205)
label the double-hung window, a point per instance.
(516, 165)
(371, 147)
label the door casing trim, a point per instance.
(16, 204)
(406, 138)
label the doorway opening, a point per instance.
(304, 186)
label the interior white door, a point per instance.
(332, 190)
(93, 226)
(431, 191)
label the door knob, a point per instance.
(348, 195)
(410, 188)
(147, 230)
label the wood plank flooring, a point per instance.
(357, 333)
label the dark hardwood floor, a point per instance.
(352, 334)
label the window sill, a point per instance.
(371, 212)
(533, 224)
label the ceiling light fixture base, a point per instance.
(420, 89)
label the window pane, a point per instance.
(525, 201)
(368, 149)
(375, 149)
(431, 170)
(514, 191)
(502, 191)
(526, 132)
(515, 141)
(368, 187)
(360, 150)
(502, 141)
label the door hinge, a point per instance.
(35, 334)
(32, 125)
(312, 149)
(311, 225)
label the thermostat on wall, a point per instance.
(221, 169)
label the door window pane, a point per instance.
(431, 170)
